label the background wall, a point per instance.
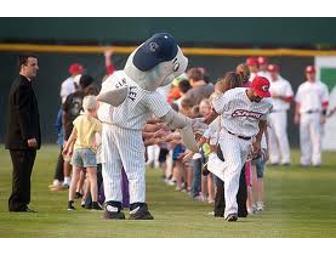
(205, 32)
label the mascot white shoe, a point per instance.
(129, 98)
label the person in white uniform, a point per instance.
(243, 113)
(311, 106)
(263, 67)
(129, 98)
(252, 63)
(282, 94)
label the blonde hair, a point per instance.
(89, 103)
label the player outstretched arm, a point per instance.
(184, 124)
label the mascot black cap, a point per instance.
(159, 48)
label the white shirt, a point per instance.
(252, 76)
(67, 88)
(280, 87)
(238, 114)
(264, 74)
(310, 96)
(137, 108)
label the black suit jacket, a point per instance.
(23, 119)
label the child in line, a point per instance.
(82, 145)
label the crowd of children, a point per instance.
(191, 95)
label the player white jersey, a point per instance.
(238, 114)
(252, 76)
(138, 106)
(264, 74)
(280, 87)
(310, 96)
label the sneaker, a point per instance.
(200, 197)
(70, 206)
(83, 204)
(252, 210)
(78, 195)
(140, 213)
(113, 213)
(260, 206)
(232, 217)
(56, 183)
(171, 183)
(65, 186)
(211, 201)
(212, 213)
(96, 206)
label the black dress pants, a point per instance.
(23, 162)
(241, 196)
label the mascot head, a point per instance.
(156, 62)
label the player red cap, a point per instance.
(76, 68)
(273, 68)
(310, 69)
(261, 85)
(252, 61)
(262, 61)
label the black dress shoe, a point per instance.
(29, 210)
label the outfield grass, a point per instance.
(300, 203)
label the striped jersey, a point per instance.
(137, 108)
(239, 114)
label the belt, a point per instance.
(239, 136)
(273, 111)
(312, 111)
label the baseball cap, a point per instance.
(310, 69)
(273, 68)
(261, 86)
(251, 61)
(159, 48)
(75, 68)
(262, 60)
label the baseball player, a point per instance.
(252, 64)
(243, 116)
(282, 94)
(132, 99)
(263, 71)
(310, 112)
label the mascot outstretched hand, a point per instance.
(129, 98)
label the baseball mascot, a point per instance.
(128, 99)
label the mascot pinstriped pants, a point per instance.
(123, 148)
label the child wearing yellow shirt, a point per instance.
(82, 146)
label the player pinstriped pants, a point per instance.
(123, 147)
(235, 151)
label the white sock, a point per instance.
(66, 180)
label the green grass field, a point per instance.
(299, 203)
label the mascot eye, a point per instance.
(176, 66)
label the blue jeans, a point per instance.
(196, 182)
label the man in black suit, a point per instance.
(23, 132)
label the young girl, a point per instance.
(82, 145)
